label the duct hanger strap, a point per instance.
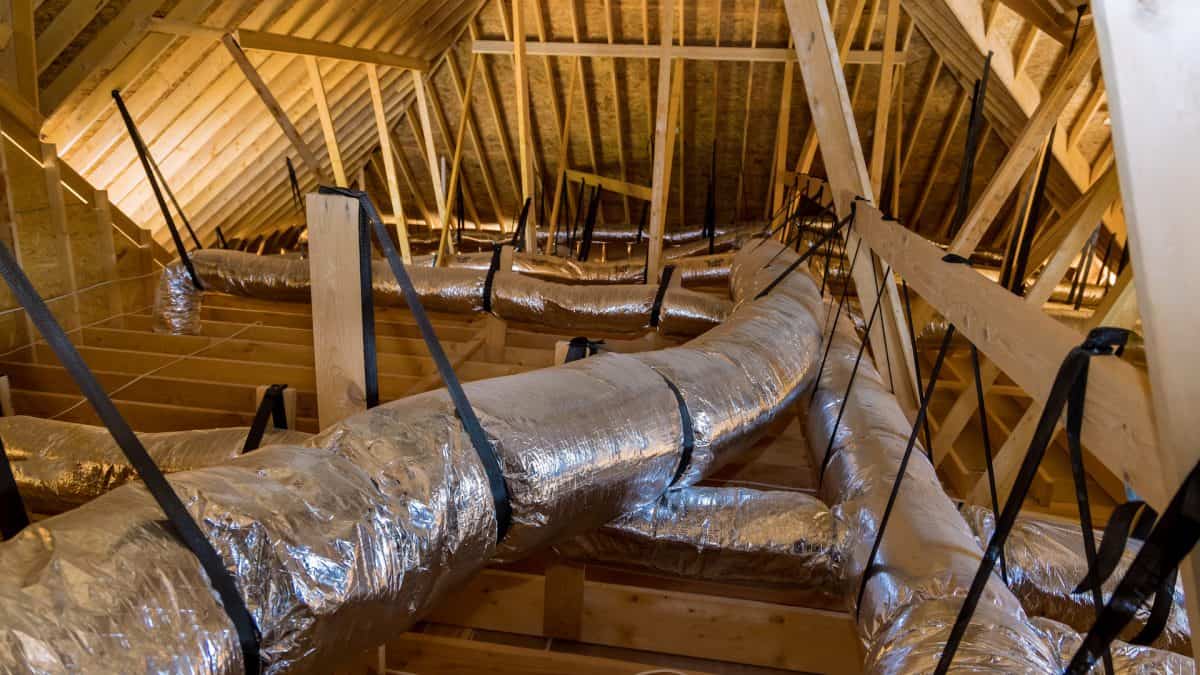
(685, 423)
(1068, 391)
(490, 280)
(462, 406)
(181, 521)
(13, 517)
(270, 407)
(816, 246)
(1121, 527)
(1152, 572)
(660, 295)
(581, 348)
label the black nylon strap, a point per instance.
(13, 517)
(663, 283)
(144, 157)
(518, 238)
(490, 279)
(466, 414)
(689, 434)
(988, 463)
(912, 338)
(366, 297)
(297, 199)
(1112, 545)
(270, 407)
(849, 383)
(1067, 386)
(1160, 611)
(833, 232)
(1173, 537)
(589, 225)
(923, 411)
(581, 348)
(180, 520)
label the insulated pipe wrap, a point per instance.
(343, 542)
(60, 465)
(777, 537)
(621, 308)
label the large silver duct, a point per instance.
(730, 534)
(344, 541)
(1046, 561)
(618, 308)
(929, 555)
(693, 269)
(60, 465)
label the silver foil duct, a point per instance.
(340, 543)
(60, 465)
(696, 269)
(773, 537)
(1127, 659)
(928, 555)
(617, 308)
(628, 233)
(1045, 563)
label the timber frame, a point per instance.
(493, 102)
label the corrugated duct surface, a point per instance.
(344, 541)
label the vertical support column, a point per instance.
(58, 223)
(1156, 141)
(841, 151)
(389, 162)
(336, 307)
(524, 128)
(663, 146)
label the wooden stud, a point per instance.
(336, 307)
(663, 148)
(273, 107)
(455, 168)
(1151, 71)
(485, 167)
(564, 143)
(24, 45)
(389, 162)
(524, 129)
(430, 150)
(884, 100)
(318, 91)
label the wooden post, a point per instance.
(456, 168)
(564, 144)
(1152, 73)
(562, 611)
(318, 90)
(524, 130)
(825, 85)
(389, 163)
(663, 146)
(336, 307)
(289, 402)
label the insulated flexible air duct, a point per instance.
(340, 543)
(1045, 563)
(617, 308)
(928, 555)
(729, 534)
(60, 465)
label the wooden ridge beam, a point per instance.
(637, 50)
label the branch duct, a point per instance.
(617, 308)
(929, 555)
(343, 541)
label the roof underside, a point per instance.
(224, 155)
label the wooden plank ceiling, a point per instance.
(223, 152)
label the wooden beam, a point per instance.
(1152, 72)
(617, 107)
(273, 107)
(665, 621)
(336, 307)
(633, 50)
(782, 126)
(24, 46)
(612, 184)
(431, 158)
(664, 148)
(291, 44)
(739, 194)
(389, 156)
(318, 90)
(564, 145)
(524, 121)
(501, 128)
(1029, 346)
(883, 101)
(485, 167)
(808, 150)
(455, 169)
(842, 153)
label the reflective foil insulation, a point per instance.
(616, 308)
(344, 541)
(60, 465)
(1045, 563)
(733, 535)
(928, 555)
